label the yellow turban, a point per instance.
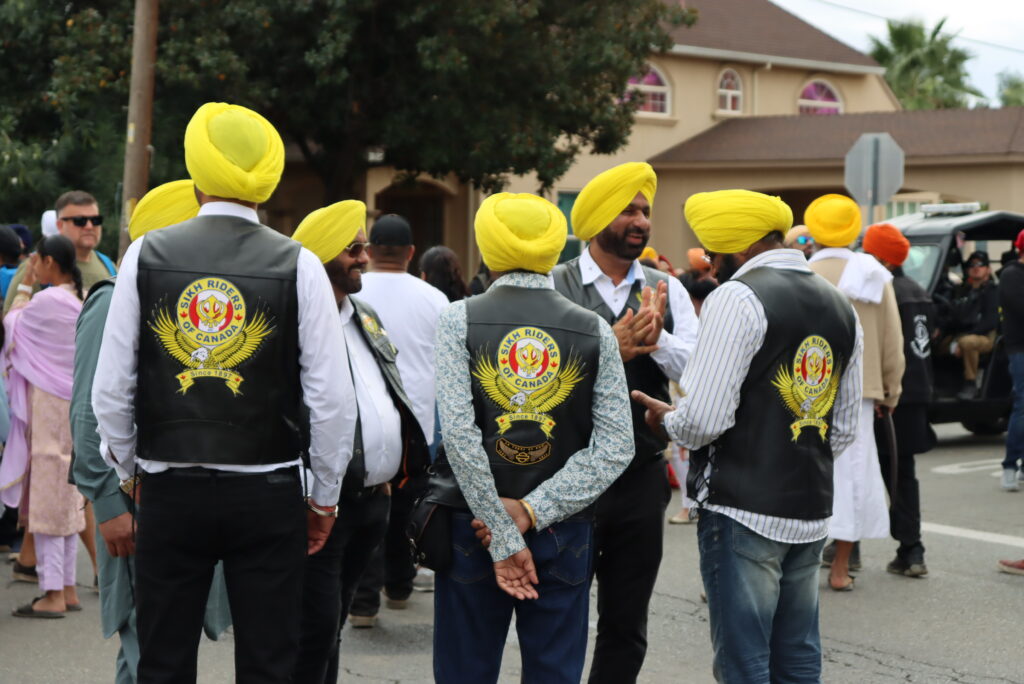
(328, 231)
(164, 206)
(520, 231)
(649, 253)
(608, 193)
(233, 152)
(834, 220)
(729, 221)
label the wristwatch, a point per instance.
(322, 511)
(128, 486)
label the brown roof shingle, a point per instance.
(763, 28)
(934, 133)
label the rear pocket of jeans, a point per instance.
(572, 564)
(471, 562)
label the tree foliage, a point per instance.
(923, 68)
(479, 88)
(1011, 89)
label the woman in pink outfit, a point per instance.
(39, 354)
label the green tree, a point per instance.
(1011, 89)
(923, 68)
(480, 88)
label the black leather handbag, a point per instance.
(430, 525)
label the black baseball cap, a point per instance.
(978, 258)
(391, 229)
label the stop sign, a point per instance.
(874, 169)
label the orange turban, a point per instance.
(696, 257)
(886, 242)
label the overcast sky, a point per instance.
(999, 22)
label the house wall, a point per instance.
(999, 184)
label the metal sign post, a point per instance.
(874, 169)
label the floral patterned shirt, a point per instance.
(585, 475)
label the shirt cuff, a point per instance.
(668, 421)
(506, 542)
(323, 494)
(109, 506)
(545, 511)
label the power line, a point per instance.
(959, 36)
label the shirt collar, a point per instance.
(229, 209)
(590, 271)
(346, 310)
(536, 281)
(792, 259)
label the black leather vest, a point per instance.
(642, 373)
(415, 455)
(218, 347)
(533, 358)
(777, 458)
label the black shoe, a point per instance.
(908, 567)
(24, 573)
(970, 391)
(828, 554)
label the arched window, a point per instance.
(730, 92)
(655, 90)
(818, 97)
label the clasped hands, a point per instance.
(516, 575)
(638, 333)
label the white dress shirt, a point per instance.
(326, 384)
(379, 420)
(409, 308)
(675, 346)
(733, 328)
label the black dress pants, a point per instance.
(392, 566)
(331, 577)
(628, 535)
(913, 436)
(189, 518)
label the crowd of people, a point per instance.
(272, 433)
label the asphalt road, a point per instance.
(963, 623)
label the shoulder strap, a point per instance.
(106, 282)
(111, 269)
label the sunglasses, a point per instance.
(80, 221)
(805, 240)
(356, 249)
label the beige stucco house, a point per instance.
(750, 97)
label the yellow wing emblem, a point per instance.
(499, 390)
(245, 344)
(809, 412)
(180, 347)
(559, 389)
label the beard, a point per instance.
(728, 264)
(347, 279)
(617, 244)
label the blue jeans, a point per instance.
(762, 602)
(1015, 430)
(472, 615)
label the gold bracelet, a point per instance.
(529, 512)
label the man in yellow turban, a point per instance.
(547, 432)
(390, 453)
(163, 206)
(860, 509)
(770, 397)
(656, 327)
(220, 329)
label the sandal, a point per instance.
(29, 611)
(845, 587)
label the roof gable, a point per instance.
(925, 133)
(760, 27)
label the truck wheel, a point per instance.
(986, 427)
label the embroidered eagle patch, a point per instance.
(810, 390)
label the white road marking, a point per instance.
(970, 466)
(964, 533)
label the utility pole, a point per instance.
(140, 113)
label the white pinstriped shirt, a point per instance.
(732, 329)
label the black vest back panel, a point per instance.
(534, 358)
(218, 345)
(777, 459)
(642, 373)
